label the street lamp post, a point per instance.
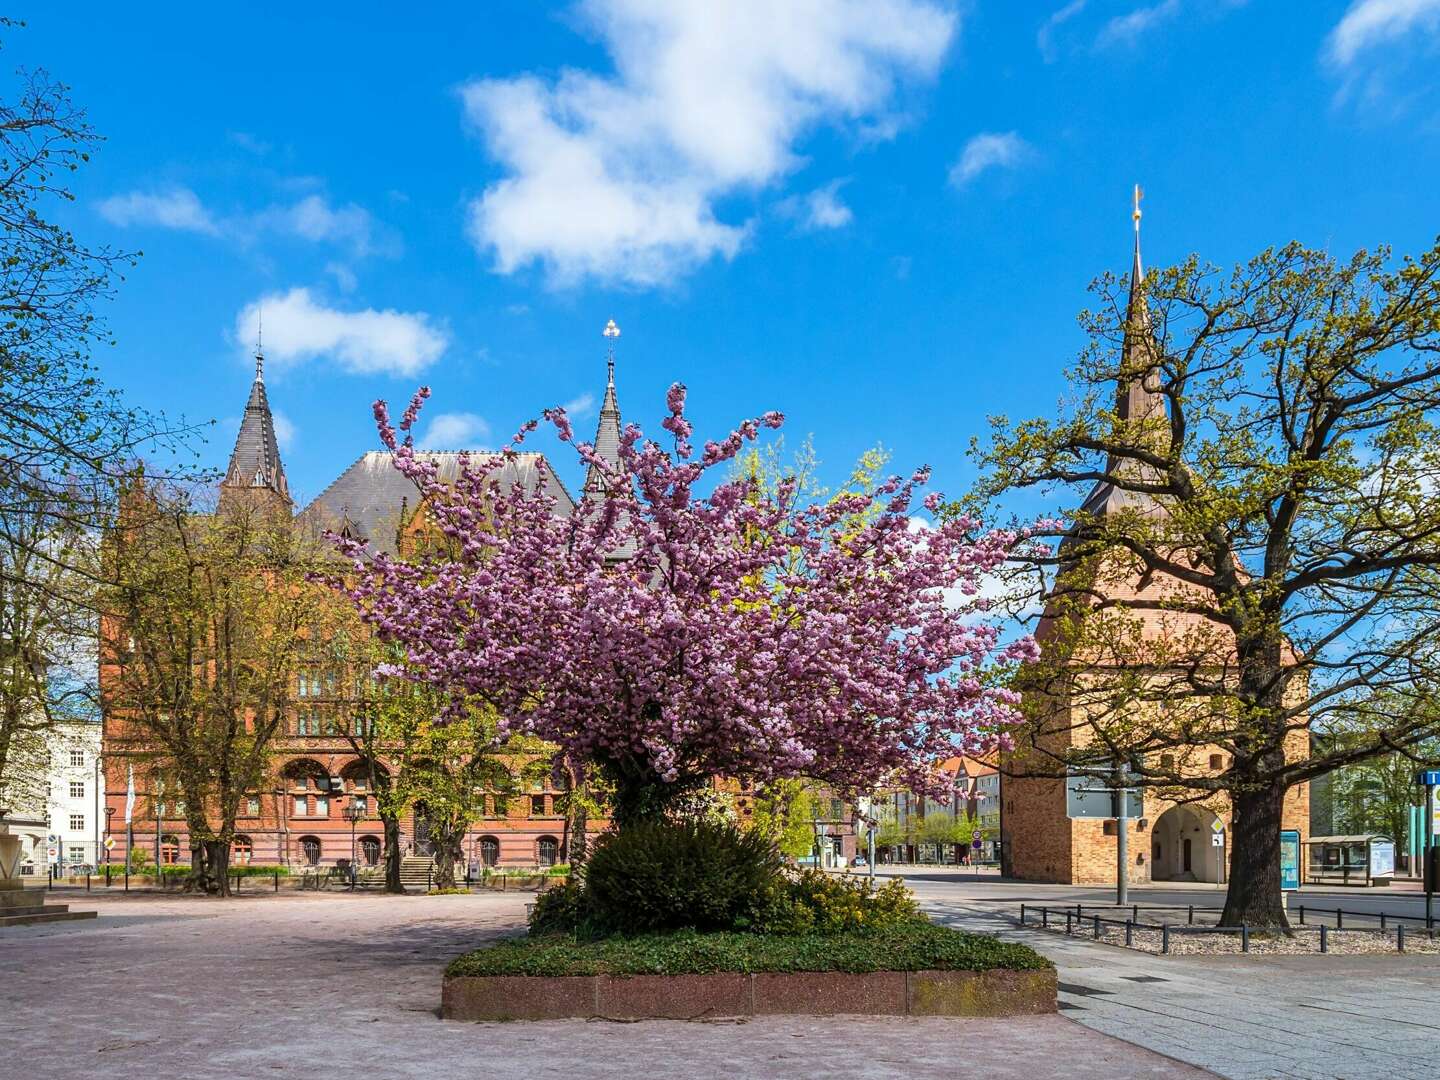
(353, 814)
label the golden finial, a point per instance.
(1139, 194)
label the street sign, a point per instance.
(1289, 860)
(1088, 796)
(52, 839)
(1217, 826)
(109, 843)
(975, 843)
(52, 852)
(1217, 839)
(1428, 778)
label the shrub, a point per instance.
(560, 909)
(813, 902)
(667, 875)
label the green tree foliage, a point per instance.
(1270, 474)
(209, 616)
(783, 811)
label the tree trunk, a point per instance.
(219, 866)
(1253, 897)
(392, 853)
(447, 841)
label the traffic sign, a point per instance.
(1217, 839)
(1217, 826)
(1428, 778)
(109, 843)
(1087, 795)
(52, 852)
(975, 843)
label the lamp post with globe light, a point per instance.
(354, 813)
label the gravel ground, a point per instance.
(306, 983)
(1185, 941)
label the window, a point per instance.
(240, 850)
(302, 806)
(502, 805)
(309, 720)
(1217, 762)
(370, 849)
(252, 805)
(77, 789)
(363, 803)
(837, 810)
(537, 805)
(77, 854)
(169, 849)
(77, 822)
(547, 848)
(77, 758)
(310, 849)
(322, 806)
(1110, 828)
(489, 850)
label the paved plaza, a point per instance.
(297, 983)
(304, 984)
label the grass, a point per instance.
(917, 946)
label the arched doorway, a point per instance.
(1182, 848)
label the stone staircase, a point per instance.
(20, 906)
(416, 871)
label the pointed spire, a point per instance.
(255, 462)
(1138, 395)
(607, 432)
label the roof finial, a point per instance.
(611, 333)
(259, 344)
(1137, 274)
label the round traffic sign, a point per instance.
(52, 852)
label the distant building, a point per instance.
(76, 797)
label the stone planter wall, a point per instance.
(697, 997)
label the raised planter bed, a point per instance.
(920, 970)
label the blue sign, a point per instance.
(1289, 860)
(1428, 778)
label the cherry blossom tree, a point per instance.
(682, 627)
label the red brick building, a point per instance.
(303, 815)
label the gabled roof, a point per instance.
(371, 498)
(255, 461)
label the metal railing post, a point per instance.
(1097, 927)
(1244, 938)
(1129, 932)
(1165, 938)
(1022, 914)
(1324, 938)
(1045, 917)
(1191, 915)
(1339, 919)
(1400, 938)
(1067, 920)
(1302, 914)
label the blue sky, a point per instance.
(877, 216)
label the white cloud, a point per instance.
(1368, 23)
(990, 150)
(820, 209)
(298, 329)
(454, 431)
(618, 177)
(1045, 36)
(580, 407)
(1128, 29)
(313, 219)
(173, 208)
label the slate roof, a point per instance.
(369, 499)
(255, 461)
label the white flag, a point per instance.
(130, 796)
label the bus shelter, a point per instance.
(1361, 859)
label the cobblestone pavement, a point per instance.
(327, 984)
(1245, 1017)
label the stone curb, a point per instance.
(702, 997)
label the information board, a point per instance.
(1289, 859)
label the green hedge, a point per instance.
(183, 869)
(917, 946)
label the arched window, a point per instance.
(489, 850)
(169, 849)
(548, 850)
(241, 849)
(310, 849)
(370, 850)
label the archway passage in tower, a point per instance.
(1182, 848)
